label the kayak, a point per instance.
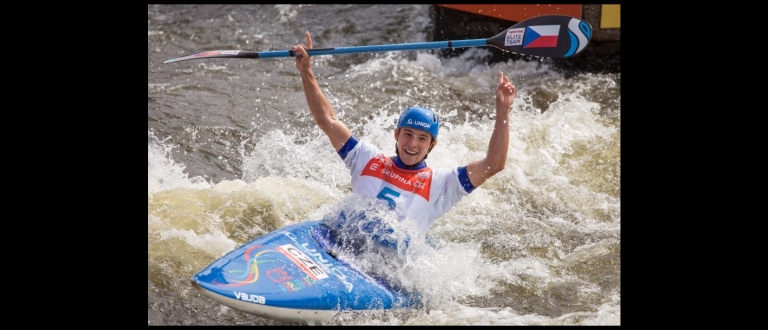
(291, 275)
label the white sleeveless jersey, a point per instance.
(421, 195)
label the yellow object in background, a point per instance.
(610, 16)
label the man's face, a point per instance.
(412, 144)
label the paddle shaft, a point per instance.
(337, 50)
(373, 49)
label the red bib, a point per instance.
(383, 168)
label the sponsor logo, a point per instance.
(250, 297)
(514, 37)
(323, 262)
(287, 282)
(418, 123)
(307, 264)
(582, 32)
(541, 36)
(416, 182)
(278, 275)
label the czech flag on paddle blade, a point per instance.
(541, 36)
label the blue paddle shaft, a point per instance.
(379, 48)
(331, 51)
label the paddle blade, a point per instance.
(217, 54)
(554, 36)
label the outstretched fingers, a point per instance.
(309, 39)
(505, 92)
(504, 84)
(301, 50)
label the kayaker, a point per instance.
(416, 191)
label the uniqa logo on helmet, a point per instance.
(419, 123)
(419, 118)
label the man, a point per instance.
(404, 182)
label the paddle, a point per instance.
(555, 36)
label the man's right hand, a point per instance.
(303, 60)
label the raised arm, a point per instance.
(321, 109)
(496, 157)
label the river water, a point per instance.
(233, 153)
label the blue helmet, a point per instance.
(419, 118)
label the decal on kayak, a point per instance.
(251, 273)
(307, 264)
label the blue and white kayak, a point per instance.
(289, 275)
